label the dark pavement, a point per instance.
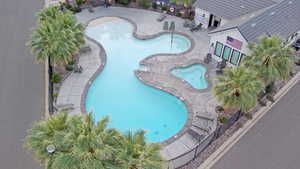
(272, 143)
(21, 82)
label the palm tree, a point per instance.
(187, 3)
(136, 153)
(239, 88)
(57, 37)
(177, 2)
(52, 12)
(79, 142)
(270, 59)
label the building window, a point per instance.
(203, 15)
(218, 49)
(242, 56)
(235, 56)
(226, 53)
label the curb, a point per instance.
(221, 151)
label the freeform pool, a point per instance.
(117, 93)
(194, 74)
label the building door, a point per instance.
(210, 20)
(217, 21)
(226, 53)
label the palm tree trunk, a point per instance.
(50, 72)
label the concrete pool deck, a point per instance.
(200, 103)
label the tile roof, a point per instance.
(282, 19)
(231, 9)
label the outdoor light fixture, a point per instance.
(50, 148)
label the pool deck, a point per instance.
(198, 102)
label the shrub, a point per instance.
(262, 102)
(74, 9)
(191, 15)
(55, 92)
(124, 2)
(271, 88)
(144, 3)
(164, 8)
(270, 97)
(154, 5)
(72, 62)
(56, 78)
(69, 67)
(239, 125)
(219, 109)
(223, 119)
(177, 13)
(80, 2)
(249, 116)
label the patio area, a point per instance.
(200, 103)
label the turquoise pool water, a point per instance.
(117, 93)
(194, 74)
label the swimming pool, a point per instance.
(194, 74)
(117, 93)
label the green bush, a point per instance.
(55, 92)
(239, 125)
(249, 116)
(74, 9)
(178, 14)
(262, 102)
(154, 5)
(72, 62)
(191, 15)
(124, 2)
(223, 119)
(270, 88)
(80, 2)
(56, 78)
(144, 4)
(69, 67)
(164, 8)
(219, 109)
(270, 97)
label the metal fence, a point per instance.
(187, 157)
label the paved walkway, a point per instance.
(73, 87)
(158, 75)
(147, 24)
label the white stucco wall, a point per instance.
(292, 39)
(222, 38)
(202, 16)
(224, 21)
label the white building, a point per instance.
(241, 22)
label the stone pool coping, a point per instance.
(183, 65)
(206, 74)
(201, 102)
(103, 57)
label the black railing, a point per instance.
(197, 151)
